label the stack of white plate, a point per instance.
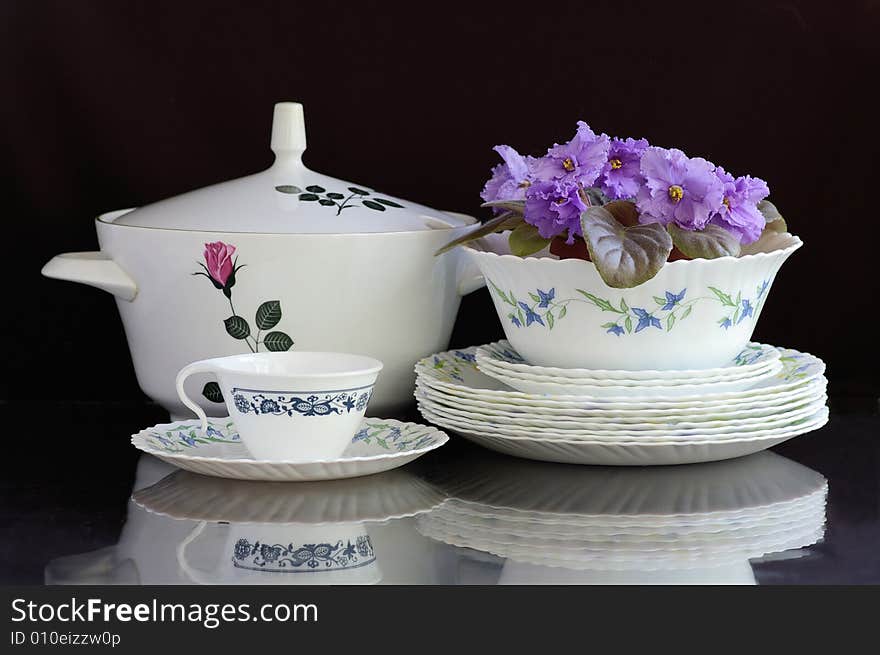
(489, 395)
(709, 519)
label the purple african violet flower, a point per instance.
(579, 161)
(554, 206)
(621, 176)
(509, 178)
(678, 189)
(739, 207)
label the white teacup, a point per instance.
(299, 406)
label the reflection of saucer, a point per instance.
(707, 517)
(379, 445)
(380, 497)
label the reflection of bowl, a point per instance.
(693, 314)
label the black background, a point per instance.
(108, 105)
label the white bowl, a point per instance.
(560, 312)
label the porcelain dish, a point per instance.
(693, 314)
(379, 445)
(277, 261)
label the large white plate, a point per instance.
(380, 445)
(755, 358)
(637, 413)
(647, 426)
(636, 452)
(645, 436)
(456, 373)
(560, 386)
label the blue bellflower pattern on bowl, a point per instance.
(545, 309)
(306, 558)
(307, 404)
(180, 438)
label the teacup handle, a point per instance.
(192, 573)
(203, 366)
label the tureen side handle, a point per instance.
(470, 278)
(94, 269)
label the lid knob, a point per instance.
(288, 129)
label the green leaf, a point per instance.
(563, 311)
(625, 212)
(625, 257)
(601, 303)
(712, 242)
(659, 300)
(687, 312)
(268, 314)
(595, 197)
(314, 188)
(360, 192)
(628, 324)
(335, 196)
(524, 240)
(549, 317)
(723, 297)
(389, 203)
(534, 296)
(308, 197)
(515, 206)
(505, 221)
(774, 220)
(501, 294)
(623, 306)
(237, 327)
(288, 188)
(277, 342)
(670, 321)
(212, 392)
(608, 325)
(374, 205)
(326, 202)
(521, 316)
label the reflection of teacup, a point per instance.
(299, 406)
(254, 553)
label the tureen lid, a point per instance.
(289, 198)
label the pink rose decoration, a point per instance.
(218, 258)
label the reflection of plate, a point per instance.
(381, 497)
(380, 445)
(690, 517)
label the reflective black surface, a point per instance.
(81, 505)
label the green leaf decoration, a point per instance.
(212, 392)
(659, 300)
(502, 295)
(237, 327)
(723, 297)
(515, 206)
(687, 312)
(357, 191)
(268, 314)
(389, 203)
(308, 196)
(625, 257)
(549, 317)
(288, 188)
(623, 306)
(505, 221)
(374, 205)
(524, 240)
(601, 303)
(774, 219)
(336, 196)
(608, 325)
(277, 342)
(326, 202)
(314, 188)
(712, 242)
(670, 321)
(534, 296)
(628, 324)
(563, 311)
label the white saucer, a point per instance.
(380, 445)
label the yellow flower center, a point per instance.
(726, 202)
(524, 184)
(568, 164)
(615, 163)
(676, 193)
(561, 201)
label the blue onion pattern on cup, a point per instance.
(306, 404)
(304, 558)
